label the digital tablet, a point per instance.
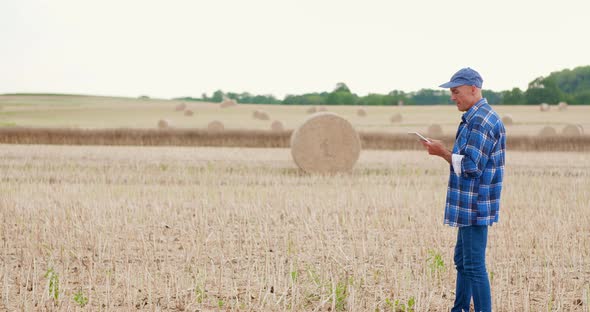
(421, 137)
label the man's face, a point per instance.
(464, 97)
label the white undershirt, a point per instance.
(456, 160)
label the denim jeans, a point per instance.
(472, 276)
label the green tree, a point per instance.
(372, 99)
(309, 98)
(430, 96)
(341, 95)
(217, 96)
(582, 98)
(514, 96)
(572, 81)
(543, 90)
(245, 97)
(341, 87)
(232, 95)
(566, 85)
(493, 97)
(395, 96)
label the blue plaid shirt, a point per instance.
(473, 197)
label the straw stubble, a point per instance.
(236, 229)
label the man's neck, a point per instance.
(477, 99)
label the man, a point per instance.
(475, 182)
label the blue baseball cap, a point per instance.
(465, 76)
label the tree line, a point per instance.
(571, 86)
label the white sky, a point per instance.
(184, 48)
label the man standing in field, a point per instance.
(475, 182)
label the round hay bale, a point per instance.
(263, 115)
(562, 106)
(325, 143)
(228, 103)
(277, 126)
(397, 117)
(547, 131)
(573, 130)
(434, 130)
(544, 107)
(322, 109)
(163, 124)
(361, 112)
(507, 120)
(215, 126)
(188, 112)
(180, 107)
(255, 114)
(311, 110)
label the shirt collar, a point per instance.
(471, 112)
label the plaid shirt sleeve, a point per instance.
(477, 151)
(473, 197)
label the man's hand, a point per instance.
(436, 147)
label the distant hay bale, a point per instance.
(256, 114)
(325, 143)
(180, 107)
(547, 131)
(544, 107)
(322, 109)
(562, 106)
(188, 112)
(507, 120)
(163, 124)
(434, 130)
(397, 117)
(277, 126)
(573, 130)
(228, 103)
(215, 126)
(361, 112)
(263, 116)
(312, 110)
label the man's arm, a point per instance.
(435, 147)
(480, 143)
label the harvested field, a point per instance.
(255, 138)
(100, 208)
(88, 112)
(201, 228)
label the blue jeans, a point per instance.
(472, 277)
